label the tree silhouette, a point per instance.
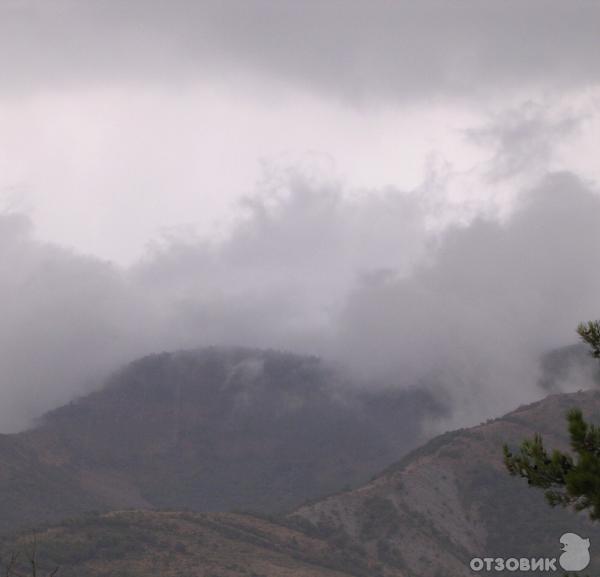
(12, 567)
(590, 334)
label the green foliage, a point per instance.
(567, 481)
(590, 334)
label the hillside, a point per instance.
(452, 500)
(426, 516)
(175, 544)
(207, 430)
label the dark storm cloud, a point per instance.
(352, 49)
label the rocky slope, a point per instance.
(452, 500)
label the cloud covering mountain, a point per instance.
(410, 189)
(467, 311)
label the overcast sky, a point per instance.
(296, 174)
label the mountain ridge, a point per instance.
(211, 429)
(425, 516)
(457, 488)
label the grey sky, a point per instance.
(321, 176)
(355, 49)
(116, 118)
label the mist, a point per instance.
(364, 281)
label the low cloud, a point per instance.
(475, 320)
(361, 280)
(66, 320)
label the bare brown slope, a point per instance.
(171, 544)
(452, 499)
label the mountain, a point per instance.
(208, 430)
(425, 516)
(452, 500)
